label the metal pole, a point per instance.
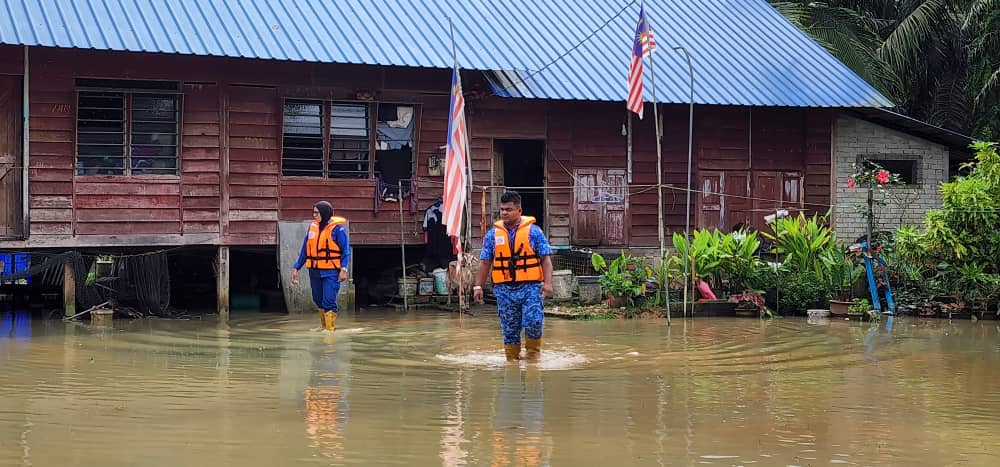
(687, 216)
(402, 243)
(659, 173)
(628, 144)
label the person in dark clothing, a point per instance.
(326, 251)
(439, 252)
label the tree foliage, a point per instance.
(937, 60)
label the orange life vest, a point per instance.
(515, 261)
(322, 252)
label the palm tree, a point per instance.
(937, 60)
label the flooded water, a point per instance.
(430, 389)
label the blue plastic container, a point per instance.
(15, 263)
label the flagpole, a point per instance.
(468, 201)
(628, 145)
(659, 175)
(687, 217)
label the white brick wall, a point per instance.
(906, 206)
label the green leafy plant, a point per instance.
(843, 273)
(624, 277)
(862, 307)
(859, 306)
(954, 256)
(802, 242)
(664, 273)
(801, 291)
(738, 259)
(700, 255)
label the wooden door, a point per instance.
(738, 202)
(10, 157)
(776, 190)
(711, 214)
(586, 217)
(724, 199)
(614, 200)
(600, 216)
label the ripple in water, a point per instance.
(550, 360)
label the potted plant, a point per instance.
(860, 308)
(843, 274)
(700, 257)
(623, 279)
(750, 303)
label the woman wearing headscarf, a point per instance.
(327, 253)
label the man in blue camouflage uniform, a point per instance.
(518, 257)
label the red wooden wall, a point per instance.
(230, 190)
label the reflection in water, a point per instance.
(453, 451)
(16, 325)
(412, 389)
(517, 437)
(326, 398)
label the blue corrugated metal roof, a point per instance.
(743, 51)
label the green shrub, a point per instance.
(801, 291)
(624, 277)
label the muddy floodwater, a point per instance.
(429, 388)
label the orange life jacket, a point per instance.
(515, 261)
(322, 252)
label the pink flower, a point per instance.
(882, 176)
(850, 183)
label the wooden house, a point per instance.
(138, 127)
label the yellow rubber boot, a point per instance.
(322, 319)
(532, 349)
(513, 352)
(329, 321)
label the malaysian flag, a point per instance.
(454, 166)
(642, 46)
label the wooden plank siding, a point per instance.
(230, 191)
(201, 184)
(254, 164)
(52, 135)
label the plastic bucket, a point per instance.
(425, 286)
(407, 290)
(562, 284)
(440, 281)
(590, 290)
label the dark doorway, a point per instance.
(524, 171)
(192, 280)
(254, 282)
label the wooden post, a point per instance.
(69, 289)
(402, 244)
(222, 283)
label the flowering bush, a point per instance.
(876, 179)
(872, 175)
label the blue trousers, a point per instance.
(519, 306)
(325, 285)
